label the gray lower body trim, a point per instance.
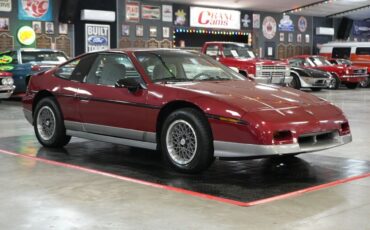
(115, 140)
(28, 115)
(232, 149)
(111, 131)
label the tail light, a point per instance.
(344, 129)
(5, 74)
(283, 137)
(36, 68)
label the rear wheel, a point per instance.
(316, 89)
(334, 84)
(295, 83)
(49, 125)
(351, 85)
(186, 141)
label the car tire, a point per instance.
(295, 83)
(186, 141)
(351, 85)
(316, 89)
(49, 125)
(335, 83)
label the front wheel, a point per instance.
(49, 125)
(186, 141)
(295, 83)
(335, 82)
(351, 85)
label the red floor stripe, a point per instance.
(188, 192)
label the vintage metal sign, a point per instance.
(38, 10)
(97, 37)
(6, 5)
(214, 18)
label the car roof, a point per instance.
(35, 50)
(346, 44)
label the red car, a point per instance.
(242, 58)
(350, 76)
(185, 104)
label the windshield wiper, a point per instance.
(171, 79)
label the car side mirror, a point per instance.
(133, 84)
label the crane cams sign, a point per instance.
(214, 18)
(97, 37)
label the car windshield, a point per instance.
(43, 56)
(174, 66)
(238, 51)
(318, 61)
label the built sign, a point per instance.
(214, 18)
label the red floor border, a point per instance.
(185, 191)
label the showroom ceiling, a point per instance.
(327, 8)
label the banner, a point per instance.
(214, 18)
(97, 37)
(150, 12)
(6, 5)
(35, 10)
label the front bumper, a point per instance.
(6, 91)
(274, 80)
(309, 82)
(353, 78)
(236, 150)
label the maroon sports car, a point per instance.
(185, 104)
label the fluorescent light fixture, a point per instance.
(325, 31)
(98, 15)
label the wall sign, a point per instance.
(214, 18)
(256, 21)
(286, 24)
(167, 13)
(269, 27)
(4, 24)
(150, 12)
(40, 10)
(26, 35)
(302, 24)
(6, 5)
(132, 11)
(180, 15)
(97, 37)
(246, 20)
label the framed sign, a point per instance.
(49, 27)
(36, 25)
(97, 37)
(63, 28)
(214, 18)
(256, 21)
(125, 30)
(166, 32)
(167, 13)
(4, 24)
(139, 30)
(269, 27)
(132, 11)
(153, 31)
(33, 10)
(5, 5)
(150, 12)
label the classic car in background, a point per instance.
(313, 79)
(350, 76)
(28, 61)
(241, 57)
(346, 62)
(6, 84)
(185, 104)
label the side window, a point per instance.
(76, 69)
(109, 68)
(341, 52)
(363, 51)
(65, 71)
(213, 51)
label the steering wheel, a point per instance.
(202, 74)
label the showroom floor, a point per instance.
(42, 194)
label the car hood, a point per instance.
(315, 73)
(249, 96)
(258, 61)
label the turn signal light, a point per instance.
(344, 129)
(283, 137)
